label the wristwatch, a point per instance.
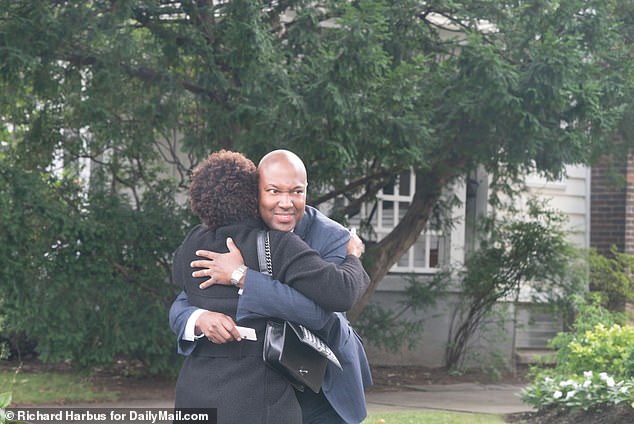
(237, 275)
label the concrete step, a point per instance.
(535, 356)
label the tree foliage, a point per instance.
(140, 91)
(611, 278)
(85, 281)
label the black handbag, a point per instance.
(290, 348)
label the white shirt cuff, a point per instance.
(190, 329)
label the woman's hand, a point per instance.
(355, 244)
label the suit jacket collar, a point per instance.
(303, 228)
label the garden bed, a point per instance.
(618, 414)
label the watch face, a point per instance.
(235, 277)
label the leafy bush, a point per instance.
(4, 348)
(578, 391)
(603, 348)
(594, 364)
(85, 277)
(596, 323)
(528, 249)
(611, 278)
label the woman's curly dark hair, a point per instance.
(224, 189)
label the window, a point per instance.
(430, 251)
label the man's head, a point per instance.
(282, 189)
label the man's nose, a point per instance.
(286, 201)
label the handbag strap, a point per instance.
(303, 334)
(264, 253)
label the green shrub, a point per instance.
(4, 347)
(594, 364)
(611, 278)
(529, 249)
(578, 391)
(597, 340)
(85, 278)
(602, 348)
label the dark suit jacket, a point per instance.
(344, 389)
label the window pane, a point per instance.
(402, 209)
(389, 188)
(388, 215)
(434, 251)
(374, 215)
(404, 184)
(419, 252)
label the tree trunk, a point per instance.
(380, 257)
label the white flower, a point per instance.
(587, 374)
(557, 394)
(570, 394)
(603, 376)
(567, 383)
(587, 383)
(624, 390)
(610, 382)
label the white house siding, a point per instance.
(571, 196)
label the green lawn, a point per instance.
(428, 417)
(50, 387)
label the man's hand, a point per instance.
(355, 245)
(218, 328)
(218, 266)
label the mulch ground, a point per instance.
(130, 384)
(619, 414)
(399, 377)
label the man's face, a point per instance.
(282, 195)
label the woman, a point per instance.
(233, 377)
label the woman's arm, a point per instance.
(334, 288)
(262, 297)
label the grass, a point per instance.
(50, 387)
(429, 417)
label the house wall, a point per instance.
(570, 195)
(429, 348)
